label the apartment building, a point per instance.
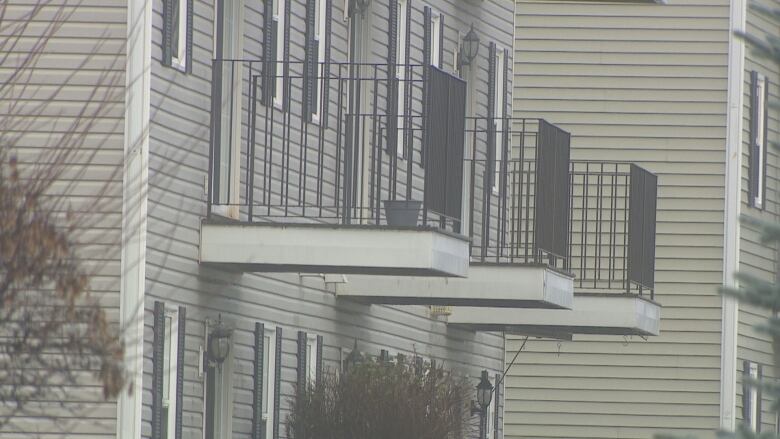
(666, 86)
(302, 179)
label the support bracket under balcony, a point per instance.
(598, 314)
(327, 248)
(499, 285)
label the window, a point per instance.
(179, 34)
(320, 17)
(278, 19)
(498, 102)
(269, 374)
(311, 359)
(170, 355)
(758, 114)
(435, 39)
(400, 73)
(751, 396)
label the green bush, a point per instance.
(383, 400)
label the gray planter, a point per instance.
(402, 212)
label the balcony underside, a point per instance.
(504, 285)
(325, 248)
(601, 314)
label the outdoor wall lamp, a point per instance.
(219, 342)
(484, 396)
(469, 48)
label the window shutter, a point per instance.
(190, 16)
(407, 110)
(497, 401)
(167, 52)
(745, 392)
(326, 68)
(277, 380)
(286, 57)
(384, 356)
(441, 41)
(269, 51)
(180, 371)
(426, 69)
(309, 61)
(318, 370)
(491, 114)
(301, 362)
(392, 82)
(257, 397)
(754, 150)
(426, 36)
(158, 346)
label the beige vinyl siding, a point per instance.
(643, 83)
(179, 148)
(75, 83)
(756, 258)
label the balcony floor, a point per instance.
(326, 248)
(500, 285)
(598, 314)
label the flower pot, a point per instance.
(402, 212)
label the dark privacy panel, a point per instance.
(445, 118)
(641, 227)
(552, 190)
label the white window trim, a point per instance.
(400, 73)
(279, 18)
(491, 415)
(270, 366)
(319, 36)
(435, 37)
(498, 107)
(311, 359)
(753, 395)
(180, 62)
(172, 334)
(760, 113)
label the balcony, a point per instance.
(303, 169)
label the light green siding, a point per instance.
(62, 89)
(643, 83)
(756, 258)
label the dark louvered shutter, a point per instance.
(392, 82)
(158, 347)
(426, 75)
(496, 406)
(407, 110)
(310, 60)
(326, 69)
(257, 397)
(441, 41)
(754, 149)
(277, 380)
(301, 362)
(491, 114)
(746, 392)
(318, 369)
(190, 17)
(269, 51)
(384, 356)
(167, 41)
(286, 57)
(180, 347)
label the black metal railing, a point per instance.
(334, 147)
(331, 155)
(612, 229)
